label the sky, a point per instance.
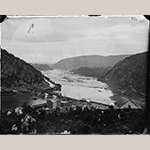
(50, 39)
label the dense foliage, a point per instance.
(94, 121)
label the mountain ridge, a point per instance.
(18, 74)
(41, 67)
(88, 61)
(129, 74)
(96, 72)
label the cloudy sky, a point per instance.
(50, 39)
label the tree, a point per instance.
(111, 107)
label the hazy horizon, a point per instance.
(50, 39)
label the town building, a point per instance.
(51, 103)
(38, 103)
(99, 105)
(124, 102)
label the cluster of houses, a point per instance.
(64, 104)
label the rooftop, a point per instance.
(122, 101)
(52, 100)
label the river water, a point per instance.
(74, 86)
(81, 87)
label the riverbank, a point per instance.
(138, 100)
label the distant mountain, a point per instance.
(41, 67)
(129, 74)
(88, 61)
(97, 72)
(17, 74)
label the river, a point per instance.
(81, 87)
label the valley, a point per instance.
(101, 93)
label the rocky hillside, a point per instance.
(17, 74)
(129, 74)
(97, 72)
(88, 61)
(41, 67)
